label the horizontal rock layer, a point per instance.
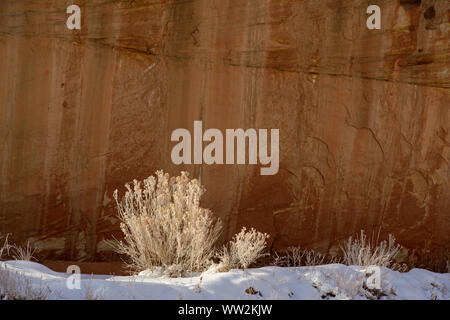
(363, 116)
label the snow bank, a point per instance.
(333, 281)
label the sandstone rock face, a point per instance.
(363, 115)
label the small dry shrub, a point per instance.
(4, 248)
(297, 257)
(165, 226)
(361, 252)
(245, 248)
(23, 253)
(90, 293)
(14, 286)
(16, 252)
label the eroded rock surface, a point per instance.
(363, 115)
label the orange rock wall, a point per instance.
(364, 115)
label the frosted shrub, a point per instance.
(4, 247)
(245, 248)
(14, 286)
(165, 226)
(296, 257)
(23, 253)
(361, 252)
(16, 252)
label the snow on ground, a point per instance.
(334, 281)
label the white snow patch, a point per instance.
(335, 281)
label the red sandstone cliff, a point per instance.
(364, 115)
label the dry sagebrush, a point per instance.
(361, 252)
(245, 248)
(16, 252)
(297, 257)
(165, 226)
(23, 253)
(15, 286)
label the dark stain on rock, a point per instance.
(430, 13)
(417, 60)
(408, 4)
